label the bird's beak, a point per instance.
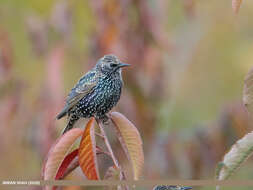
(123, 65)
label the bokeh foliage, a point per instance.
(183, 92)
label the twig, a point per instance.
(100, 151)
(121, 140)
(115, 161)
(99, 135)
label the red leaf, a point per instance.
(87, 152)
(58, 153)
(64, 165)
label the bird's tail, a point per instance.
(62, 113)
(71, 122)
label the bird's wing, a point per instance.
(85, 85)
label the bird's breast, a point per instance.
(109, 90)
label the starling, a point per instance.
(170, 187)
(96, 93)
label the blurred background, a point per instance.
(183, 91)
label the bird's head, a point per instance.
(110, 64)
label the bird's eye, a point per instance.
(113, 64)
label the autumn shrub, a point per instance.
(65, 156)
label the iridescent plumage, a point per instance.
(96, 93)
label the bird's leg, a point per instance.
(105, 119)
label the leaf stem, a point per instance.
(109, 148)
(115, 161)
(100, 151)
(99, 135)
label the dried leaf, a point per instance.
(131, 142)
(236, 4)
(58, 152)
(248, 91)
(87, 152)
(238, 154)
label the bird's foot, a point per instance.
(105, 120)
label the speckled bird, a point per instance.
(170, 187)
(96, 93)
